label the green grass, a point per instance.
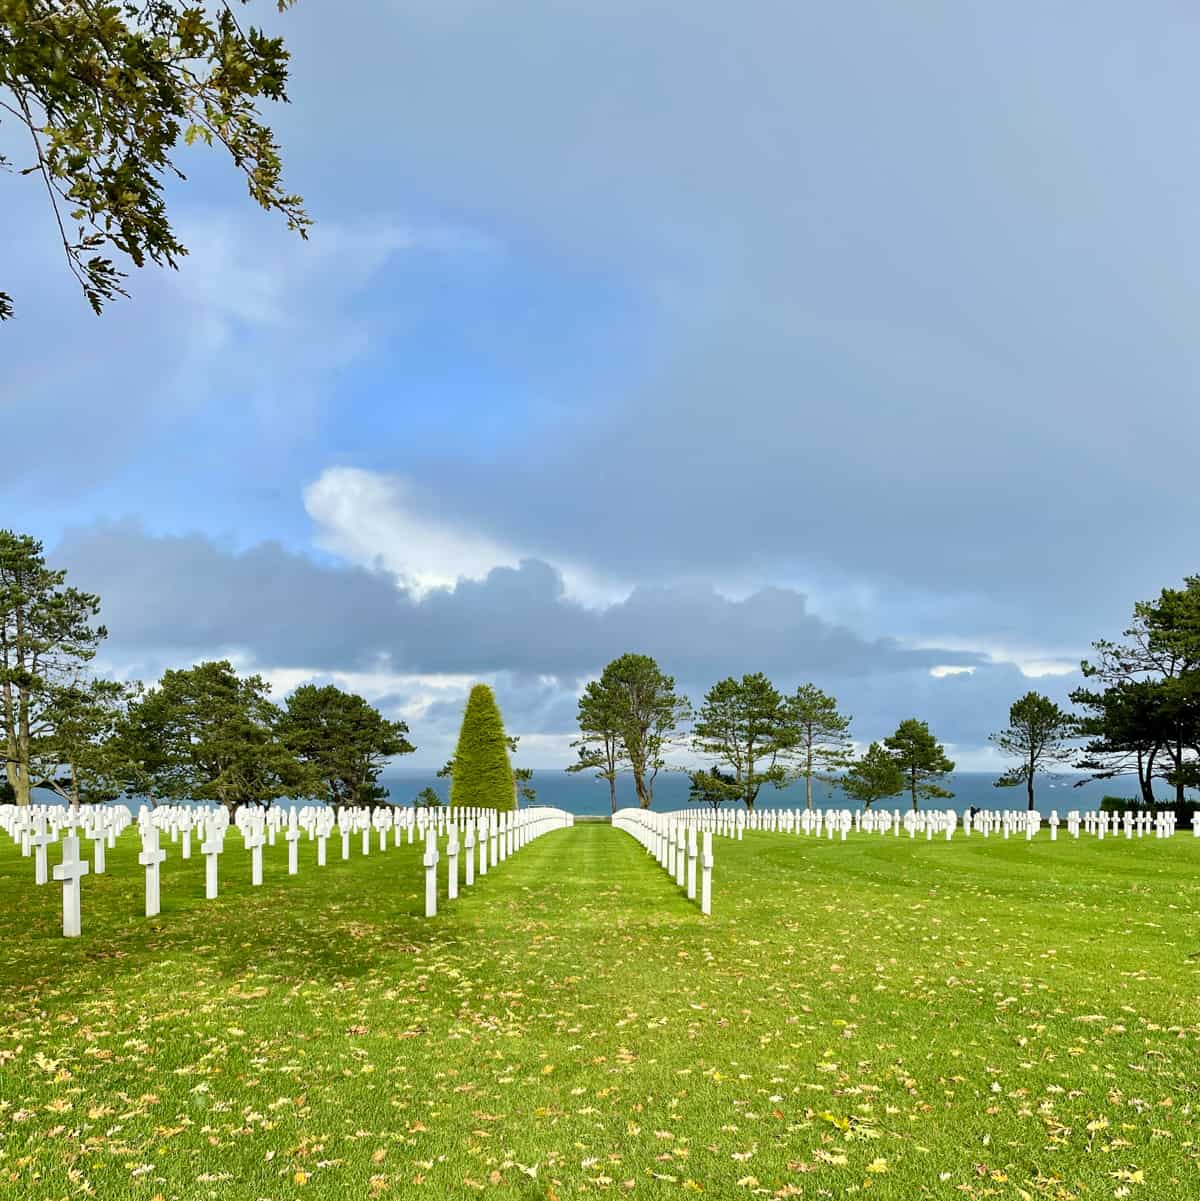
(884, 1018)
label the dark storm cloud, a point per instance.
(188, 595)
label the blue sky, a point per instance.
(849, 343)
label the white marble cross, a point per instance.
(98, 850)
(292, 834)
(452, 864)
(70, 871)
(469, 851)
(691, 863)
(210, 848)
(39, 841)
(430, 860)
(253, 842)
(151, 858)
(706, 866)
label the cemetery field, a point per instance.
(884, 1018)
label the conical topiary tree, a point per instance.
(481, 774)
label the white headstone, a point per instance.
(70, 871)
(151, 858)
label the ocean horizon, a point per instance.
(583, 795)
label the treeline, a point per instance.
(201, 733)
(208, 733)
(1142, 720)
(633, 717)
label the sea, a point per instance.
(583, 795)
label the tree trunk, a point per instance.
(639, 785)
(1029, 785)
(612, 792)
(808, 779)
(913, 787)
(1146, 780)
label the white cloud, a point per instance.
(1032, 662)
(377, 520)
(944, 669)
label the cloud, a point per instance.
(174, 599)
(380, 520)
(899, 326)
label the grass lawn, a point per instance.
(883, 1018)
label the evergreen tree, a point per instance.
(921, 758)
(205, 733)
(344, 740)
(1148, 714)
(743, 724)
(819, 736)
(599, 746)
(712, 786)
(874, 777)
(629, 716)
(47, 640)
(1039, 735)
(480, 773)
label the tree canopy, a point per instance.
(818, 736)
(344, 741)
(206, 733)
(875, 776)
(105, 91)
(1146, 716)
(628, 718)
(48, 638)
(480, 772)
(921, 759)
(743, 724)
(713, 787)
(1039, 735)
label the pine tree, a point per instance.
(921, 758)
(480, 772)
(874, 777)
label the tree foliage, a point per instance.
(105, 91)
(629, 717)
(205, 733)
(1146, 716)
(874, 776)
(343, 740)
(1039, 735)
(921, 759)
(480, 772)
(713, 787)
(85, 719)
(743, 725)
(427, 798)
(599, 747)
(47, 640)
(819, 736)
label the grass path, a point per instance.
(884, 1017)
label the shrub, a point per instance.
(1183, 813)
(481, 774)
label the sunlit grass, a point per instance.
(894, 1018)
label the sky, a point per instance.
(855, 344)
